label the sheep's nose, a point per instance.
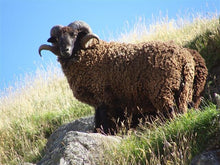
(65, 49)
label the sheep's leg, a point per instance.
(101, 124)
(200, 77)
(165, 102)
(105, 120)
(115, 118)
(167, 99)
(186, 89)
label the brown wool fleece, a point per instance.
(201, 72)
(153, 76)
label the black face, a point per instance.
(65, 41)
(68, 40)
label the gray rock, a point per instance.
(74, 144)
(207, 158)
(81, 125)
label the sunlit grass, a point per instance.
(42, 101)
(181, 31)
(32, 111)
(173, 142)
(47, 90)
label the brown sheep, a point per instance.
(121, 80)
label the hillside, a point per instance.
(42, 102)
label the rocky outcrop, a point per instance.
(74, 144)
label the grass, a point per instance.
(182, 31)
(42, 102)
(30, 113)
(173, 142)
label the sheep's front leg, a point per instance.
(103, 122)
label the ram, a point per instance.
(121, 80)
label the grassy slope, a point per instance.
(32, 112)
(44, 101)
(177, 141)
(173, 142)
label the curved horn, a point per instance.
(54, 33)
(53, 49)
(86, 39)
(55, 30)
(81, 26)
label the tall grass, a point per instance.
(43, 101)
(173, 142)
(181, 31)
(32, 111)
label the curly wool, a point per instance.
(153, 76)
(200, 77)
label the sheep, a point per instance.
(122, 79)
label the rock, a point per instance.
(74, 143)
(207, 158)
(82, 125)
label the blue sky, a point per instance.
(26, 24)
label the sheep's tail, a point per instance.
(201, 73)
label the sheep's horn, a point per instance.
(81, 26)
(53, 49)
(55, 30)
(86, 38)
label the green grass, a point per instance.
(208, 44)
(173, 142)
(43, 101)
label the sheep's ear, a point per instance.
(52, 40)
(88, 40)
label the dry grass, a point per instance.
(31, 111)
(43, 101)
(46, 90)
(181, 31)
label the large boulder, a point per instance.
(74, 143)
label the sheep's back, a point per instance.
(137, 72)
(127, 74)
